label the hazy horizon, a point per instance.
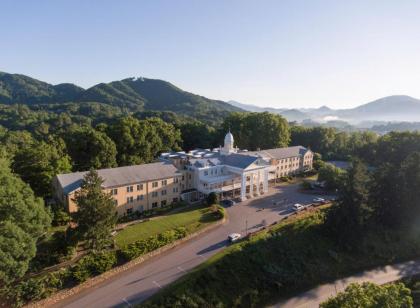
(270, 54)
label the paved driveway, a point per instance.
(141, 282)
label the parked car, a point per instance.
(227, 203)
(319, 200)
(234, 237)
(297, 207)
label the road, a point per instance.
(380, 275)
(134, 286)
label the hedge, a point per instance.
(142, 247)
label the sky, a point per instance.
(279, 53)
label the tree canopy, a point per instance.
(23, 219)
(369, 295)
(90, 148)
(37, 164)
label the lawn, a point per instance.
(293, 256)
(192, 218)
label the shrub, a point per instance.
(142, 247)
(93, 264)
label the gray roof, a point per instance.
(238, 160)
(280, 153)
(121, 176)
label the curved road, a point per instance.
(136, 285)
(380, 275)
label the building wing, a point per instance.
(115, 177)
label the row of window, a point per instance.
(140, 187)
(154, 195)
(154, 205)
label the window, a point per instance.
(129, 188)
(175, 190)
(189, 176)
(206, 173)
(176, 180)
(139, 186)
(163, 203)
(130, 199)
(154, 194)
(114, 191)
(139, 197)
(116, 202)
(182, 177)
(164, 182)
(164, 192)
(140, 208)
(154, 204)
(155, 184)
(174, 200)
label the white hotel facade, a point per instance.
(226, 171)
(230, 172)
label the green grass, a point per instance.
(292, 257)
(192, 218)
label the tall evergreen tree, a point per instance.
(96, 215)
(347, 219)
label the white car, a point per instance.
(319, 200)
(234, 237)
(297, 207)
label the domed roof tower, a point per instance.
(228, 145)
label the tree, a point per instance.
(96, 215)
(346, 220)
(23, 219)
(409, 181)
(255, 130)
(385, 196)
(196, 134)
(369, 295)
(331, 175)
(212, 198)
(141, 141)
(37, 164)
(89, 148)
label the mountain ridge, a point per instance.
(133, 94)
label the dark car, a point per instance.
(227, 203)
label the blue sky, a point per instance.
(268, 53)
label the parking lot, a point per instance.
(249, 215)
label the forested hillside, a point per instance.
(128, 95)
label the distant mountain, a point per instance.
(290, 114)
(394, 108)
(133, 94)
(390, 108)
(254, 108)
